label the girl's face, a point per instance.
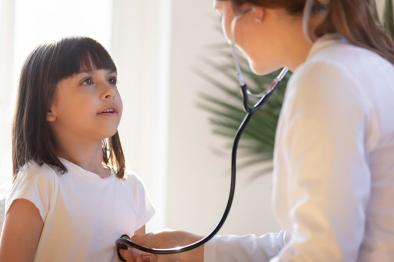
(252, 34)
(86, 105)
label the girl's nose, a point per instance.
(108, 92)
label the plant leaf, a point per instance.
(388, 19)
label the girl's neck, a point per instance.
(89, 156)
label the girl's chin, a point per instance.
(107, 134)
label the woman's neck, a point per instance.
(296, 48)
(294, 44)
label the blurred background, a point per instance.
(158, 45)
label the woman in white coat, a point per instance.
(334, 150)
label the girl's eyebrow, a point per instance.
(111, 73)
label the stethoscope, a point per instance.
(124, 242)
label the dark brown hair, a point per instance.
(32, 137)
(356, 20)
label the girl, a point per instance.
(334, 150)
(71, 197)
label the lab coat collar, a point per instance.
(325, 41)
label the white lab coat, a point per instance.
(333, 164)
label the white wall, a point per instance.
(6, 89)
(140, 47)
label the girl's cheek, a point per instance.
(120, 106)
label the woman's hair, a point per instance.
(356, 20)
(32, 137)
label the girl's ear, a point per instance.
(52, 110)
(51, 116)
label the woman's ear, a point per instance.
(258, 13)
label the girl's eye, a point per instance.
(87, 81)
(113, 80)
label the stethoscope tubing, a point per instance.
(124, 242)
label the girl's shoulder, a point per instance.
(35, 183)
(33, 172)
(138, 193)
(131, 178)
(133, 182)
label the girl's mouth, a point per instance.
(108, 111)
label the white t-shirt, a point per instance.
(333, 164)
(83, 213)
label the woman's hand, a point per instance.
(134, 257)
(166, 239)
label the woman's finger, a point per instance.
(127, 255)
(146, 258)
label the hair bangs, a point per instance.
(75, 55)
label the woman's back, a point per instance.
(376, 82)
(335, 153)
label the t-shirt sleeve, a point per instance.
(35, 184)
(143, 204)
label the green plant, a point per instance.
(226, 113)
(388, 19)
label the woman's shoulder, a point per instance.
(341, 70)
(327, 58)
(327, 85)
(336, 48)
(348, 60)
(321, 72)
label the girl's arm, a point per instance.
(21, 232)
